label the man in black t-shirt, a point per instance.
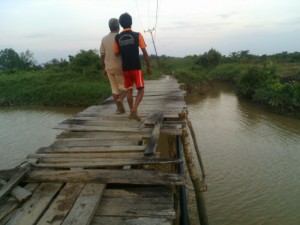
(127, 44)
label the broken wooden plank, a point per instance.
(151, 147)
(85, 206)
(7, 174)
(62, 204)
(10, 204)
(33, 208)
(150, 177)
(14, 180)
(19, 193)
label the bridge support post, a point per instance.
(200, 201)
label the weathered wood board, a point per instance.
(107, 176)
(34, 208)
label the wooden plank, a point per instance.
(86, 205)
(32, 209)
(68, 135)
(128, 207)
(151, 147)
(74, 127)
(62, 204)
(98, 163)
(6, 189)
(171, 131)
(19, 193)
(135, 148)
(101, 122)
(107, 176)
(143, 113)
(11, 203)
(94, 143)
(87, 156)
(140, 192)
(101, 220)
(137, 160)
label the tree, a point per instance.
(27, 60)
(9, 60)
(211, 58)
(86, 61)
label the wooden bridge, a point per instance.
(104, 168)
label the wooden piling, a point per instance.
(200, 201)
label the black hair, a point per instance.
(125, 20)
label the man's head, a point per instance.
(114, 24)
(125, 20)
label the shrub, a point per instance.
(212, 58)
(86, 62)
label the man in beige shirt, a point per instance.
(112, 65)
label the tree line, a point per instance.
(86, 61)
(273, 80)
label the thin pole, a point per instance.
(196, 146)
(150, 31)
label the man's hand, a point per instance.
(104, 73)
(149, 70)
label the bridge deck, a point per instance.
(96, 172)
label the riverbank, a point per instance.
(273, 85)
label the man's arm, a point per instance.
(147, 60)
(116, 49)
(102, 58)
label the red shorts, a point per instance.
(133, 77)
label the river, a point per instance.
(252, 160)
(251, 156)
(25, 129)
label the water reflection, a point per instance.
(251, 158)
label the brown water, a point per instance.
(25, 129)
(251, 157)
(252, 160)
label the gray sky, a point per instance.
(58, 28)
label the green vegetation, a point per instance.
(271, 80)
(75, 83)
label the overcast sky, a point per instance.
(58, 28)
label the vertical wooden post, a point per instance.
(196, 146)
(200, 201)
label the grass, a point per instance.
(52, 88)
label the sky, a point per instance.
(59, 28)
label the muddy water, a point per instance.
(25, 129)
(251, 156)
(252, 160)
